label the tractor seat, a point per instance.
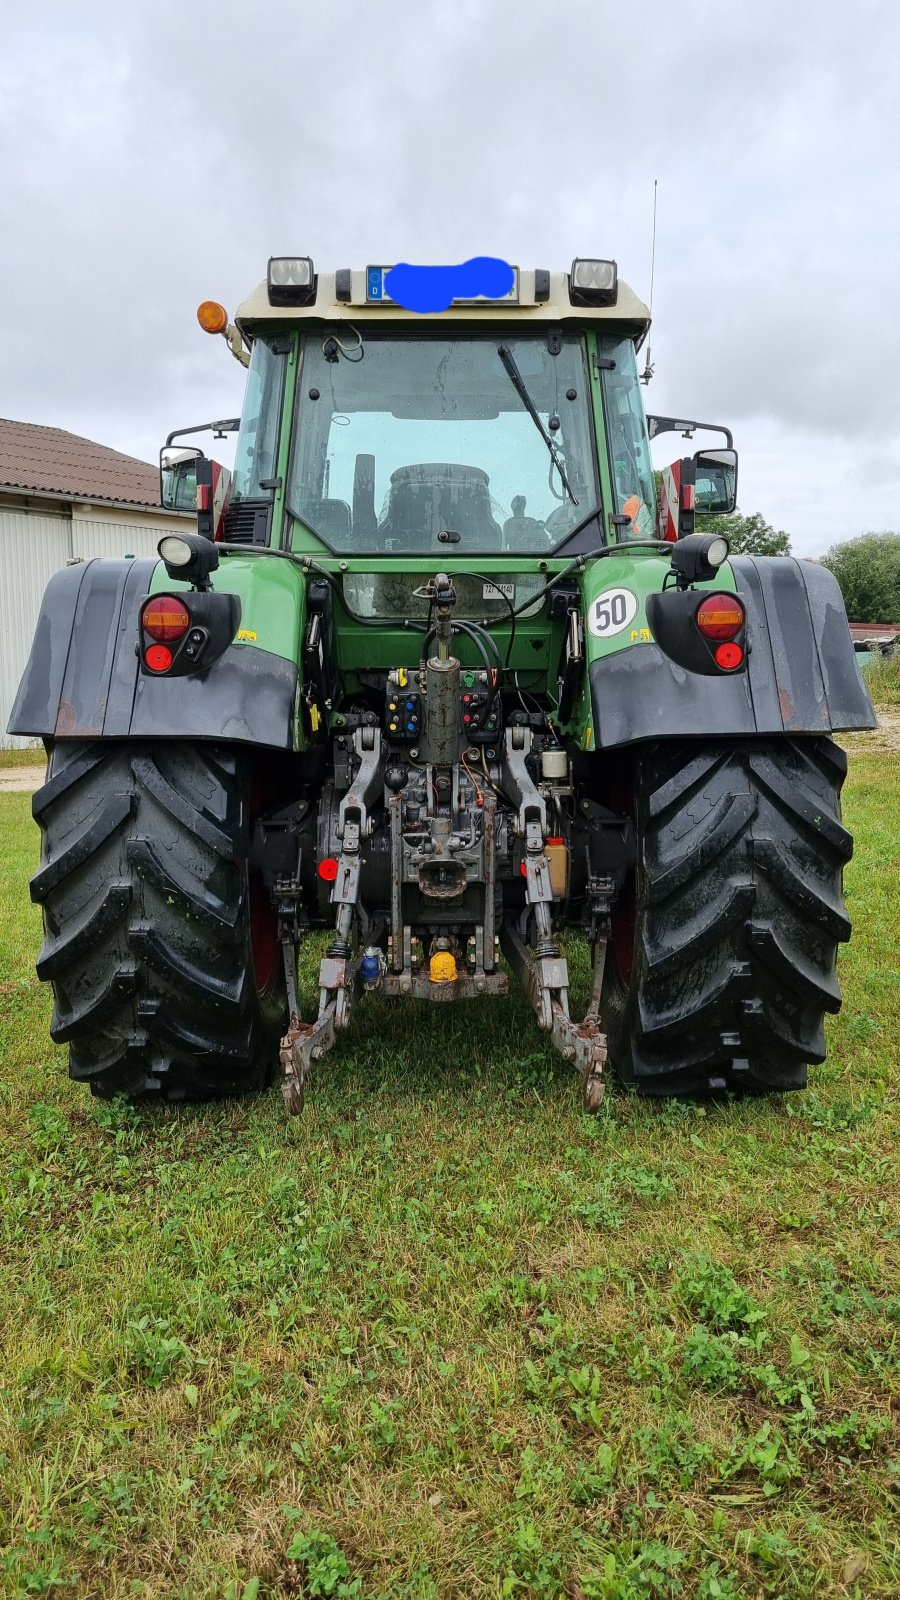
(433, 495)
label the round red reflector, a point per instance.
(158, 657)
(719, 616)
(728, 656)
(328, 869)
(165, 617)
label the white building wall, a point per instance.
(98, 532)
(35, 544)
(32, 548)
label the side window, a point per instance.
(256, 454)
(629, 447)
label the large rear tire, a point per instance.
(160, 946)
(723, 961)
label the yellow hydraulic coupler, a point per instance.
(442, 967)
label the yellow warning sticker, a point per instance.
(245, 633)
(314, 718)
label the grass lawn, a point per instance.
(445, 1335)
(883, 680)
(22, 757)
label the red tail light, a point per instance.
(328, 869)
(164, 616)
(158, 657)
(720, 616)
(728, 656)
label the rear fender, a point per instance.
(83, 677)
(802, 674)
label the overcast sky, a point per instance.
(154, 154)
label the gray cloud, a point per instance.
(155, 154)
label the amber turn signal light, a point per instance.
(720, 616)
(165, 617)
(212, 317)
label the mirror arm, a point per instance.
(236, 345)
(227, 425)
(657, 425)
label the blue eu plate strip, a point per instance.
(483, 279)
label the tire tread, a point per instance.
(143, 887)
(740, 911)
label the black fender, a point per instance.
(802, 674)
(83, 679)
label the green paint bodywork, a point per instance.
(273, 609)
(643, 575)
(273, 599)
(279, 517)
(608, 499)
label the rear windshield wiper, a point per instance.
(518, 383)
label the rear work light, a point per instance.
(164, 616)
(291, 280)
(593, 283)
(720, 616)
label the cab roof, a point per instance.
(629, 313)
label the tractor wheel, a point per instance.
(159, 942)
(722, 963)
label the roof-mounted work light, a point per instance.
(291, 280)
(593, 283)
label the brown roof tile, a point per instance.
(52, 461)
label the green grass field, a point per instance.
(22, 756)
(446, 1335)
(883, 680)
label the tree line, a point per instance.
(867, 568)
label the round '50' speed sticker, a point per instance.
(611, 612)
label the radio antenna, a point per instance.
(647, 373)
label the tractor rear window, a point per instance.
(397, 595)
(402, 440)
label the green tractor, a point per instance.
(435, 675)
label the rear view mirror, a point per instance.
(178, 477)
(715, 484)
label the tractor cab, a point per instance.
(502, 425)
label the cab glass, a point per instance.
(400, 442)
